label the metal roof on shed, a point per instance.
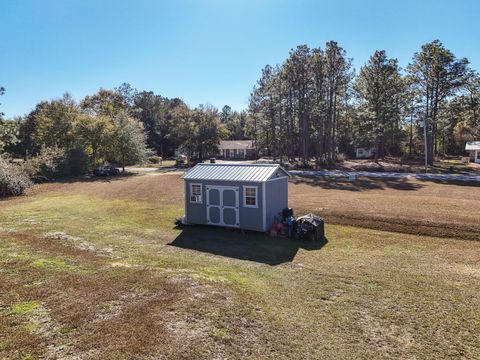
(234, 172)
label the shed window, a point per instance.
(250, 196)
(195, 193)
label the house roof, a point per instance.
(236, 172)
(236, 144)
(472, 145)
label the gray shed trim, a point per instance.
(236, 172)
(186, 195)
(264, 207)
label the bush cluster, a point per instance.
(44, 166)
(49, 164)
(154, 159)
(54, 163)
(14, 180)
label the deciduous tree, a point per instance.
(50, 124)
(96, 135)
(199, 131)
(129, 140)
(8, 134)
(105, 102)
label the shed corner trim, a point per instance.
(264, 207)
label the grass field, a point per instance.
(96, 270)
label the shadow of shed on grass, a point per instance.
(248, 246)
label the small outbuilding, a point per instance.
(473, 147)
(245, 196)
(365, 153)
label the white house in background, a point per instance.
(473, 147)
(365, 153)
(237, 149)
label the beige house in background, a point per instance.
(473, 147)
(237, 149)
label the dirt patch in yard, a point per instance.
(406, 226)
(399, 205)
(76, 242)
(79, 306)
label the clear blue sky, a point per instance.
(205, 52)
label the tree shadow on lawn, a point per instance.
(250, 246)
(364, 184)
(452, 182)
(93, 178)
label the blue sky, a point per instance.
(205, 52)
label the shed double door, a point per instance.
(222, 205)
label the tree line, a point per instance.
(313, 106)
(120, 125)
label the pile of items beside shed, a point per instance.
(307, 227)
(245, 196)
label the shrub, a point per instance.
(14, 180)
(303, 165)
(155, 159)
(45, 166)
(54, 163)
(76, 162)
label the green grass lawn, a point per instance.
(97, 270)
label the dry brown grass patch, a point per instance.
(398, 205)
